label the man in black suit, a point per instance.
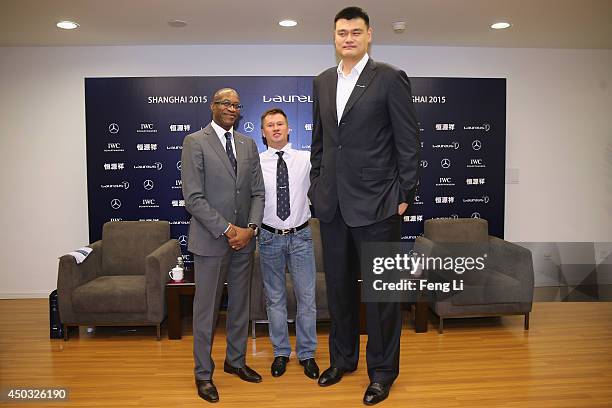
(365, 158)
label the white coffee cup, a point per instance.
(176, 274)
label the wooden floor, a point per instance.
(565, 360)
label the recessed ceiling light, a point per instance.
(399, 26)
(287, 23)
(67, 25)
(177, 23)
(501, 25)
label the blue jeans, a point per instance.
(296, 252)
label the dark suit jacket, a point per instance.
(369, 163)
(214, 195)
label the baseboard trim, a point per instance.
(25, 295)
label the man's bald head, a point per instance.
(221, 92)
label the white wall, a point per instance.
(559, 135)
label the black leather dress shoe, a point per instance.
(279, 365)
(311, 369)
(245, 373)
(375, 393)
(331, 376)
(207, 390)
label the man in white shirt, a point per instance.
(365, 161)
(285, 241)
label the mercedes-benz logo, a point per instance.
(115, 204)
(487, 127)
(249, 127)
(424, 163)
(182, 240)
(113, 128)
(476, 144)
(475, 215)
(445, 163)
(148, 184)
(158, 165)
(126, 184)
(179, 165)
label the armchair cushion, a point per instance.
(126, 244)
(495, 287)
(458, 230)
(111, 294)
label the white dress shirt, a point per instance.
(298, 168)
(221, 135)
(346, 84)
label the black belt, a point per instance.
(284, 231)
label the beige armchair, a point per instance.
(122, 281)
(503, 287)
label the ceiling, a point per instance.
(536, 23)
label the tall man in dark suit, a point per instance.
(224, 192)
(365, 159)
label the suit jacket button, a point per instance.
(339, 147)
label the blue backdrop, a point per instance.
(136, 126)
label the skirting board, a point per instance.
(25, 295)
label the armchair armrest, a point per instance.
(71, 275)
(157, 265)
(423, 246)
(515, 261)
(428, 248)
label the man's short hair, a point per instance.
(272, 111)
(352, 12)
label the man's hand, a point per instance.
(401, 208)
(231, 232)
(241, 238)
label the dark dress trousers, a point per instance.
(362, 168)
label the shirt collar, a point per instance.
(359, 67)
(286, 148)
(220, 131)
